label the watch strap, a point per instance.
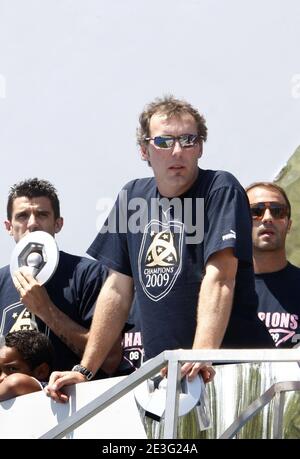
(84, 371)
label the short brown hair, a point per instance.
(33, 188)
(169, 106)
(275, 187)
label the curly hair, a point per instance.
(33, 188)
(171, 107)
(34, 347)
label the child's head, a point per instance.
(28, 352)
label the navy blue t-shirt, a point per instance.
(167, 256)
(279, 304)
(73, 289)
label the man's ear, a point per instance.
(42, 372)
(144, 153)
(8, 226)
(59, 224)
(289, 225)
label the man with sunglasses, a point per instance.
(276, 280)
(182, 240)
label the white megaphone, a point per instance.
(38, 252)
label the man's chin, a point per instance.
(267, 247)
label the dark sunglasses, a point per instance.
(277, 210)
(168, 141)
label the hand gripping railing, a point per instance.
(173, 359)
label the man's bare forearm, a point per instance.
(111, 312)
(37, 300)
(214, 310)
(215, 300)
(69, 332)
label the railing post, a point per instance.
(278, 414)
(172, 399)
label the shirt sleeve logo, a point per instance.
(230, 235)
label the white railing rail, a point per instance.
(173, 359)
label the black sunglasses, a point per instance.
(276, 209)
(168, 141)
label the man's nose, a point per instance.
(2, 376)
(32, 223)
(177, 149)
(267, 216)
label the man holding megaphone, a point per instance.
(63, 307)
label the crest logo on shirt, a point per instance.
(16, 317)
(162, 251)
(24, 321)
(160, 257)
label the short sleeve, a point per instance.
(228, 223)
(110, 245)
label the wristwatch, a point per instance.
(84, 371)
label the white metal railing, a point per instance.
(173, 359)
(277, 390)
